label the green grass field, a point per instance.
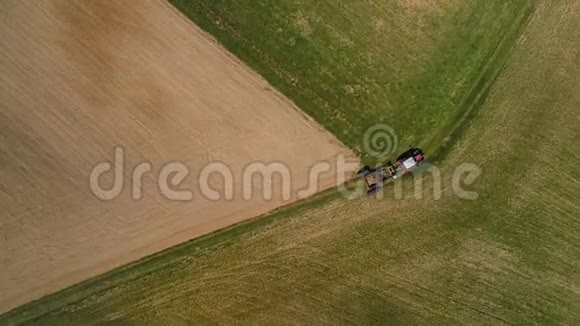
(510, 257)
(415, 65)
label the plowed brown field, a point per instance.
(78, 78)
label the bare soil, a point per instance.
(78, 78)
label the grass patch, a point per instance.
(444, 139)
(353, 65)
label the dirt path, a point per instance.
(78, 78)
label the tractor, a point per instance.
(375, 178)
(409, 159)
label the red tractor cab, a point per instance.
(410, 159)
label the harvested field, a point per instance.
(78, 78)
